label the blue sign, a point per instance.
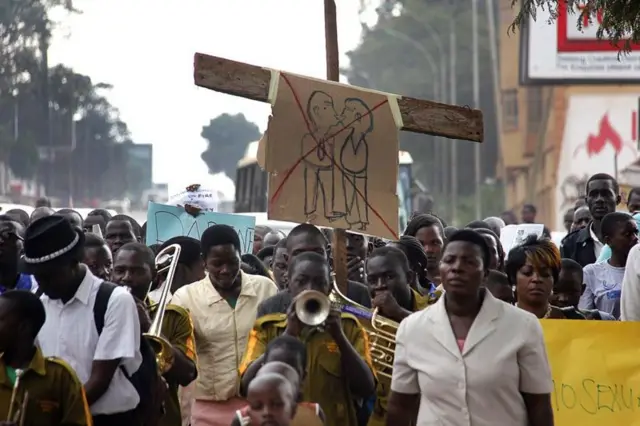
(165, 222)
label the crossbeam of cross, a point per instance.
(418, 116)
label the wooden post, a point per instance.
(339, 239)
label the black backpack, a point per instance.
(146, 379)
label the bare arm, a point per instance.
(361, 380)
(183, 370)
(249, 374)
(101, 374)
(402, 409)
(539, 410)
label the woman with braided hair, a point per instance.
(417, 257)
(429, 231)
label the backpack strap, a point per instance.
(101, 304)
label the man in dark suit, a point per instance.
(584, 245)
(308, 238)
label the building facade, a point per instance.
(569, 109)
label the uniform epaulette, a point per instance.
(270, 319)
(178, 309)
(65, 365)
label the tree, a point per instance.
(42, 107)
(227, 137)
(401, 54)
(620, 20)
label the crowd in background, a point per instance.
(79, 296)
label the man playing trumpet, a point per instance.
(389, 276)
(34, 390)
(338, 362)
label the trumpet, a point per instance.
(312, 307)
(381, 331)
(166, 260)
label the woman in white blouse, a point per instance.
(470, 359)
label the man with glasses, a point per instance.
(11, 233)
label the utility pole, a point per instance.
(476, 104)
(453, 167)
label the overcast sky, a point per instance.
(145, 49)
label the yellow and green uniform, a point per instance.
(56, 396)
(177, 328)
(383, 387)
(325, 383)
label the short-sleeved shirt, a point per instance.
(177, 328)
(69, 333)
(221, 331)
(603, 288)
(504, 355)
(379, 413)
(325, 383)
(56, 395)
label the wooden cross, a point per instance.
(418, 116)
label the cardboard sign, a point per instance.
(165, 222)
(332, 155)
(594, 365)
(514, 235)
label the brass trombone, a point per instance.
(166, 260)
(381, 331)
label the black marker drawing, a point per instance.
(337, 157)
(354, 157)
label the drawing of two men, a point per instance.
(336, 157)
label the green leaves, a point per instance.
(620, 20)
(404, 52)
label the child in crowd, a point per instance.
(568, 289)
(285, 356)
(272, 401)
(498, 285)
(604, 280)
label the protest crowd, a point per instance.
(439, 327)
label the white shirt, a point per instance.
(597, 244)
(69, 333)
(504, 354)
(630, 295)
(154, 295)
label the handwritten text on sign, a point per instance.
(596, 372)
(165, 222)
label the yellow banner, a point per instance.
(596, 372)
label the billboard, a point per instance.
(599, 136)
(559, 53)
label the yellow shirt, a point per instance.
(56, 395)
(177, 328)
(326, 383)
(221, 331)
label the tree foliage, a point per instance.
(403, 53)
(45, 107)
(227, 138)
(620, 20)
